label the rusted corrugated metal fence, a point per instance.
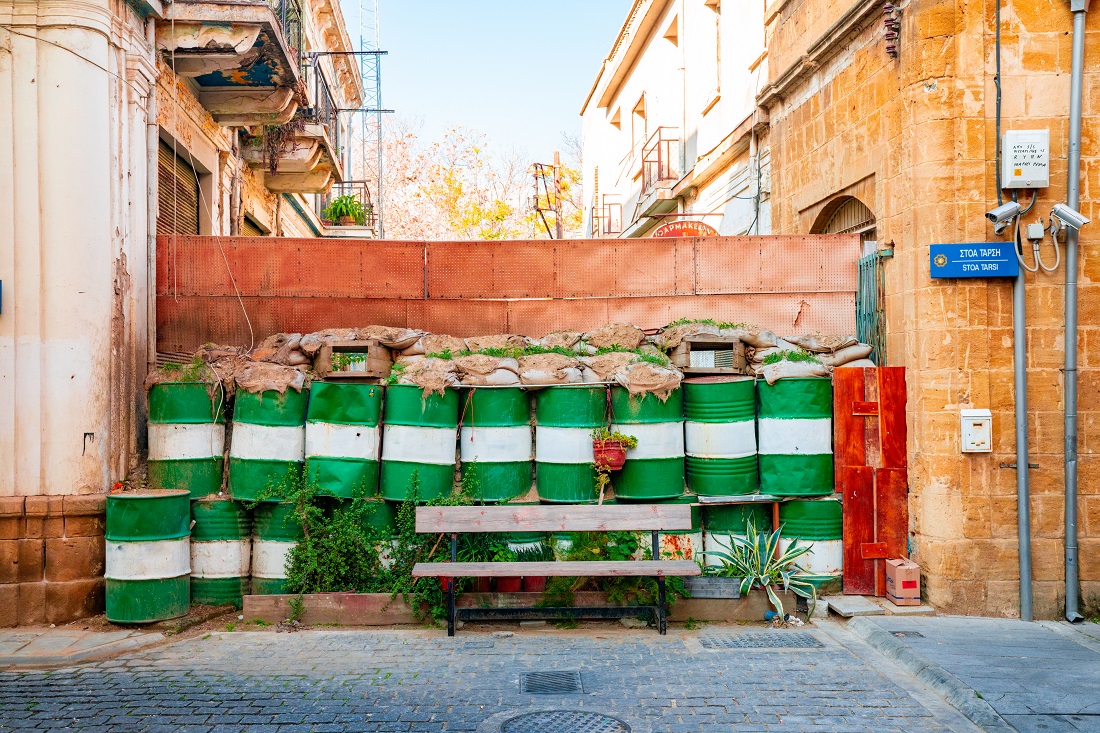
(791, 284)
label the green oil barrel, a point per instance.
(221, 551)
(344, 438)
(795, 437)
(148, 559)
(186, 437)
(275, 532)
(565, 417)
(819, 523)
(654, 469)
(720, 435)
(377, 514)
(495, 442)
(419, 437)
(268, 442)
(684, 544)
(722, 522)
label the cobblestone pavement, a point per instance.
(419, 680)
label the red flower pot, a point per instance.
(534, 585)
(610, 454)
(509, 584)
(483, 585)
(445, 584)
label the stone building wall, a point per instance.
(914, 139)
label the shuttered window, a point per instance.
(250, 228)
(177, 194)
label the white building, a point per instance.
(671, 124)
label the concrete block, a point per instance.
(849, 606)
(31, 603)
(9, 605)
(893, 609)
(74, 558)
(74, 599)
(31, 561)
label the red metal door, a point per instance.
(869, 448)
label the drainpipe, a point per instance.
(1079, 9)
(1023, 491)
(152, 142)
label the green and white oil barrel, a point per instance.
(721, 522)
(275, 532)
(379, 516)
(221, 551)
(419, 437)
(268, 442)
(344, 438)
(681, 544)
(654, 469)
(186, 437)
(819, 523)
(148, 558)
(795, 434)
(565, 417)
(720, 435)
(495, 442)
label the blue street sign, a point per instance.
(977, 259)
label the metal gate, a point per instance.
(870, 305)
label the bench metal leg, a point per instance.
(661, 605)
(451, 588)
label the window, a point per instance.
(250, 228)
(177, 194)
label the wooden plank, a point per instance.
(518, 518)
(628, 568)
(891, 390)
(891, 518)
(848, 436)
(858, 527)
(873, 551)
(865, 409)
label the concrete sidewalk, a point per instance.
(1003, 674)
(55, 647)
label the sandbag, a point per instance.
(312, 342)
(435, 343)
(670, 338)
(858, 363)
(847, 354)
(564, 339)
(495, 378)
(606, 366)
(615, 334)
(261, 376)
(822, 344)
(430, 374)
(645, 378)
(793, 370)
(393, 337)
(501, 341)
(759, 338)
(482, 364)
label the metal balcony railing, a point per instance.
(324, 111)
(661, 158)
(289, 13)
(359, 189)
(607, 218)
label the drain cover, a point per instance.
(564, 721)
(908, 634)
(760, 640)
(551, 683)
(478, 645)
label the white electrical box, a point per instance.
(977, 431)
(1025, 159)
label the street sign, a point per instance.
(685, 228)
(976, 259)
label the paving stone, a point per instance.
(895, 610)
(849, 606)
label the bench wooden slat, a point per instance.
(601, 569)
(570, 518)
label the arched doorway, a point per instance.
(849, 215)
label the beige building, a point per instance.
(881, 119)
(670, 124)
(122, 121)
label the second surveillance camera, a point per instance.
(1004, 213)
(1069, 217)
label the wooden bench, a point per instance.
(653, 518)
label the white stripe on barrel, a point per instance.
(185, 441)
(269, 558)
(268, 442)
(563, 445)
(343, 441)
(826, 557)
(510, 444)
(795, 437)
(655, 439)
(221, 559)
(148, 560)
(415, 444)
(720, 439)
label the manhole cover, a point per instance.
(564, 721)
(908, 634)
(760, 640)
(478, 645)
(551, 683)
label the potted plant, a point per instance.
(753, 563)
(609, 448)
(346, 210)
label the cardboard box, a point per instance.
(903, 582)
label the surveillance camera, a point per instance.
(1000, 227)
(1069, 217)
(1004, 213)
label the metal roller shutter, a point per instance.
(177, 194)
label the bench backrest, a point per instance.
(569, 518)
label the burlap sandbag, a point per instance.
(847, 354)
(312, 342)
(792, 370)
(823, 344)
(564, 339)
(858, 363)
(645, 378)
(615, 334)
(282, 348)
(482, 364)
(436, 343)
(495, 378)
(392, 337)
(431, 375)
(670, 338)
(500, 341)
(606, 366)
(549, 369)
(260, 376)
(759, 338)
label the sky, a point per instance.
(516, 70)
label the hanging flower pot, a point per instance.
(610, 454)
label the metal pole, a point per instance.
(558, 226)
(1079, 8)
(1023, 502)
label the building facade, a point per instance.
(123, 121)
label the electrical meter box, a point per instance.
(1025, 159)
(977, 431)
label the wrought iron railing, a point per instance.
(661, 158)
(358, 189)
(870, 305)
(607, 218)
(324, 110)
(289, 13)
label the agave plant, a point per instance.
(754, 560)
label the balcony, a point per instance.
(244, 55)
(304, 156)
(661, 159)
(359, 190)
(607, 218)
